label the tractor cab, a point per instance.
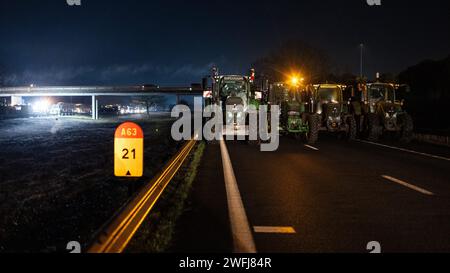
(295, 106)
(293, 98)
(328, 96)
(233, 93)
(382, 99)
(331, 103)
(380, 93)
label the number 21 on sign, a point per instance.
(129, 150)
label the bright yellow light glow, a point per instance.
(295, 80)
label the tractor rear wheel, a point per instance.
(312, 135)
(351, 123)
(407, 128)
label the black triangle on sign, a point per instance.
(128, 173)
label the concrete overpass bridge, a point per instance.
(18, 93)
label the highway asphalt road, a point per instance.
(336, 196)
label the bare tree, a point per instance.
(154, 101)
(429, 94)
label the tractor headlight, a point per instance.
(334, 119)
(391, 115)
(229, 117)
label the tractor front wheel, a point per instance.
(372, 127)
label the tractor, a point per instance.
(296, 117)
(331, 104)
(384, 113)
(234, 94)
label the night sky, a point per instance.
(177, 42)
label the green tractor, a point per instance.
(296, 117)
(331, 104)
(384, 113)
(234, 94)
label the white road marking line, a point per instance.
(406, 150)
(242, 235)
(311, 147)
(278, 230)
(410, 186)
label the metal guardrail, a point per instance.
(116, 236)
(433, 139)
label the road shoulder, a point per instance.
(204, 225)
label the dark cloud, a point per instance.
(173, 42)
(118, 73)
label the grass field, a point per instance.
(57, 182)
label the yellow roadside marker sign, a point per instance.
(129, 150)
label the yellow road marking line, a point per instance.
(279, 230)
(137, 207)
(117, 233)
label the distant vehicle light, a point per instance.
(41, 106)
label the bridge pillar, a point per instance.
(94, 108)
(16, 100)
